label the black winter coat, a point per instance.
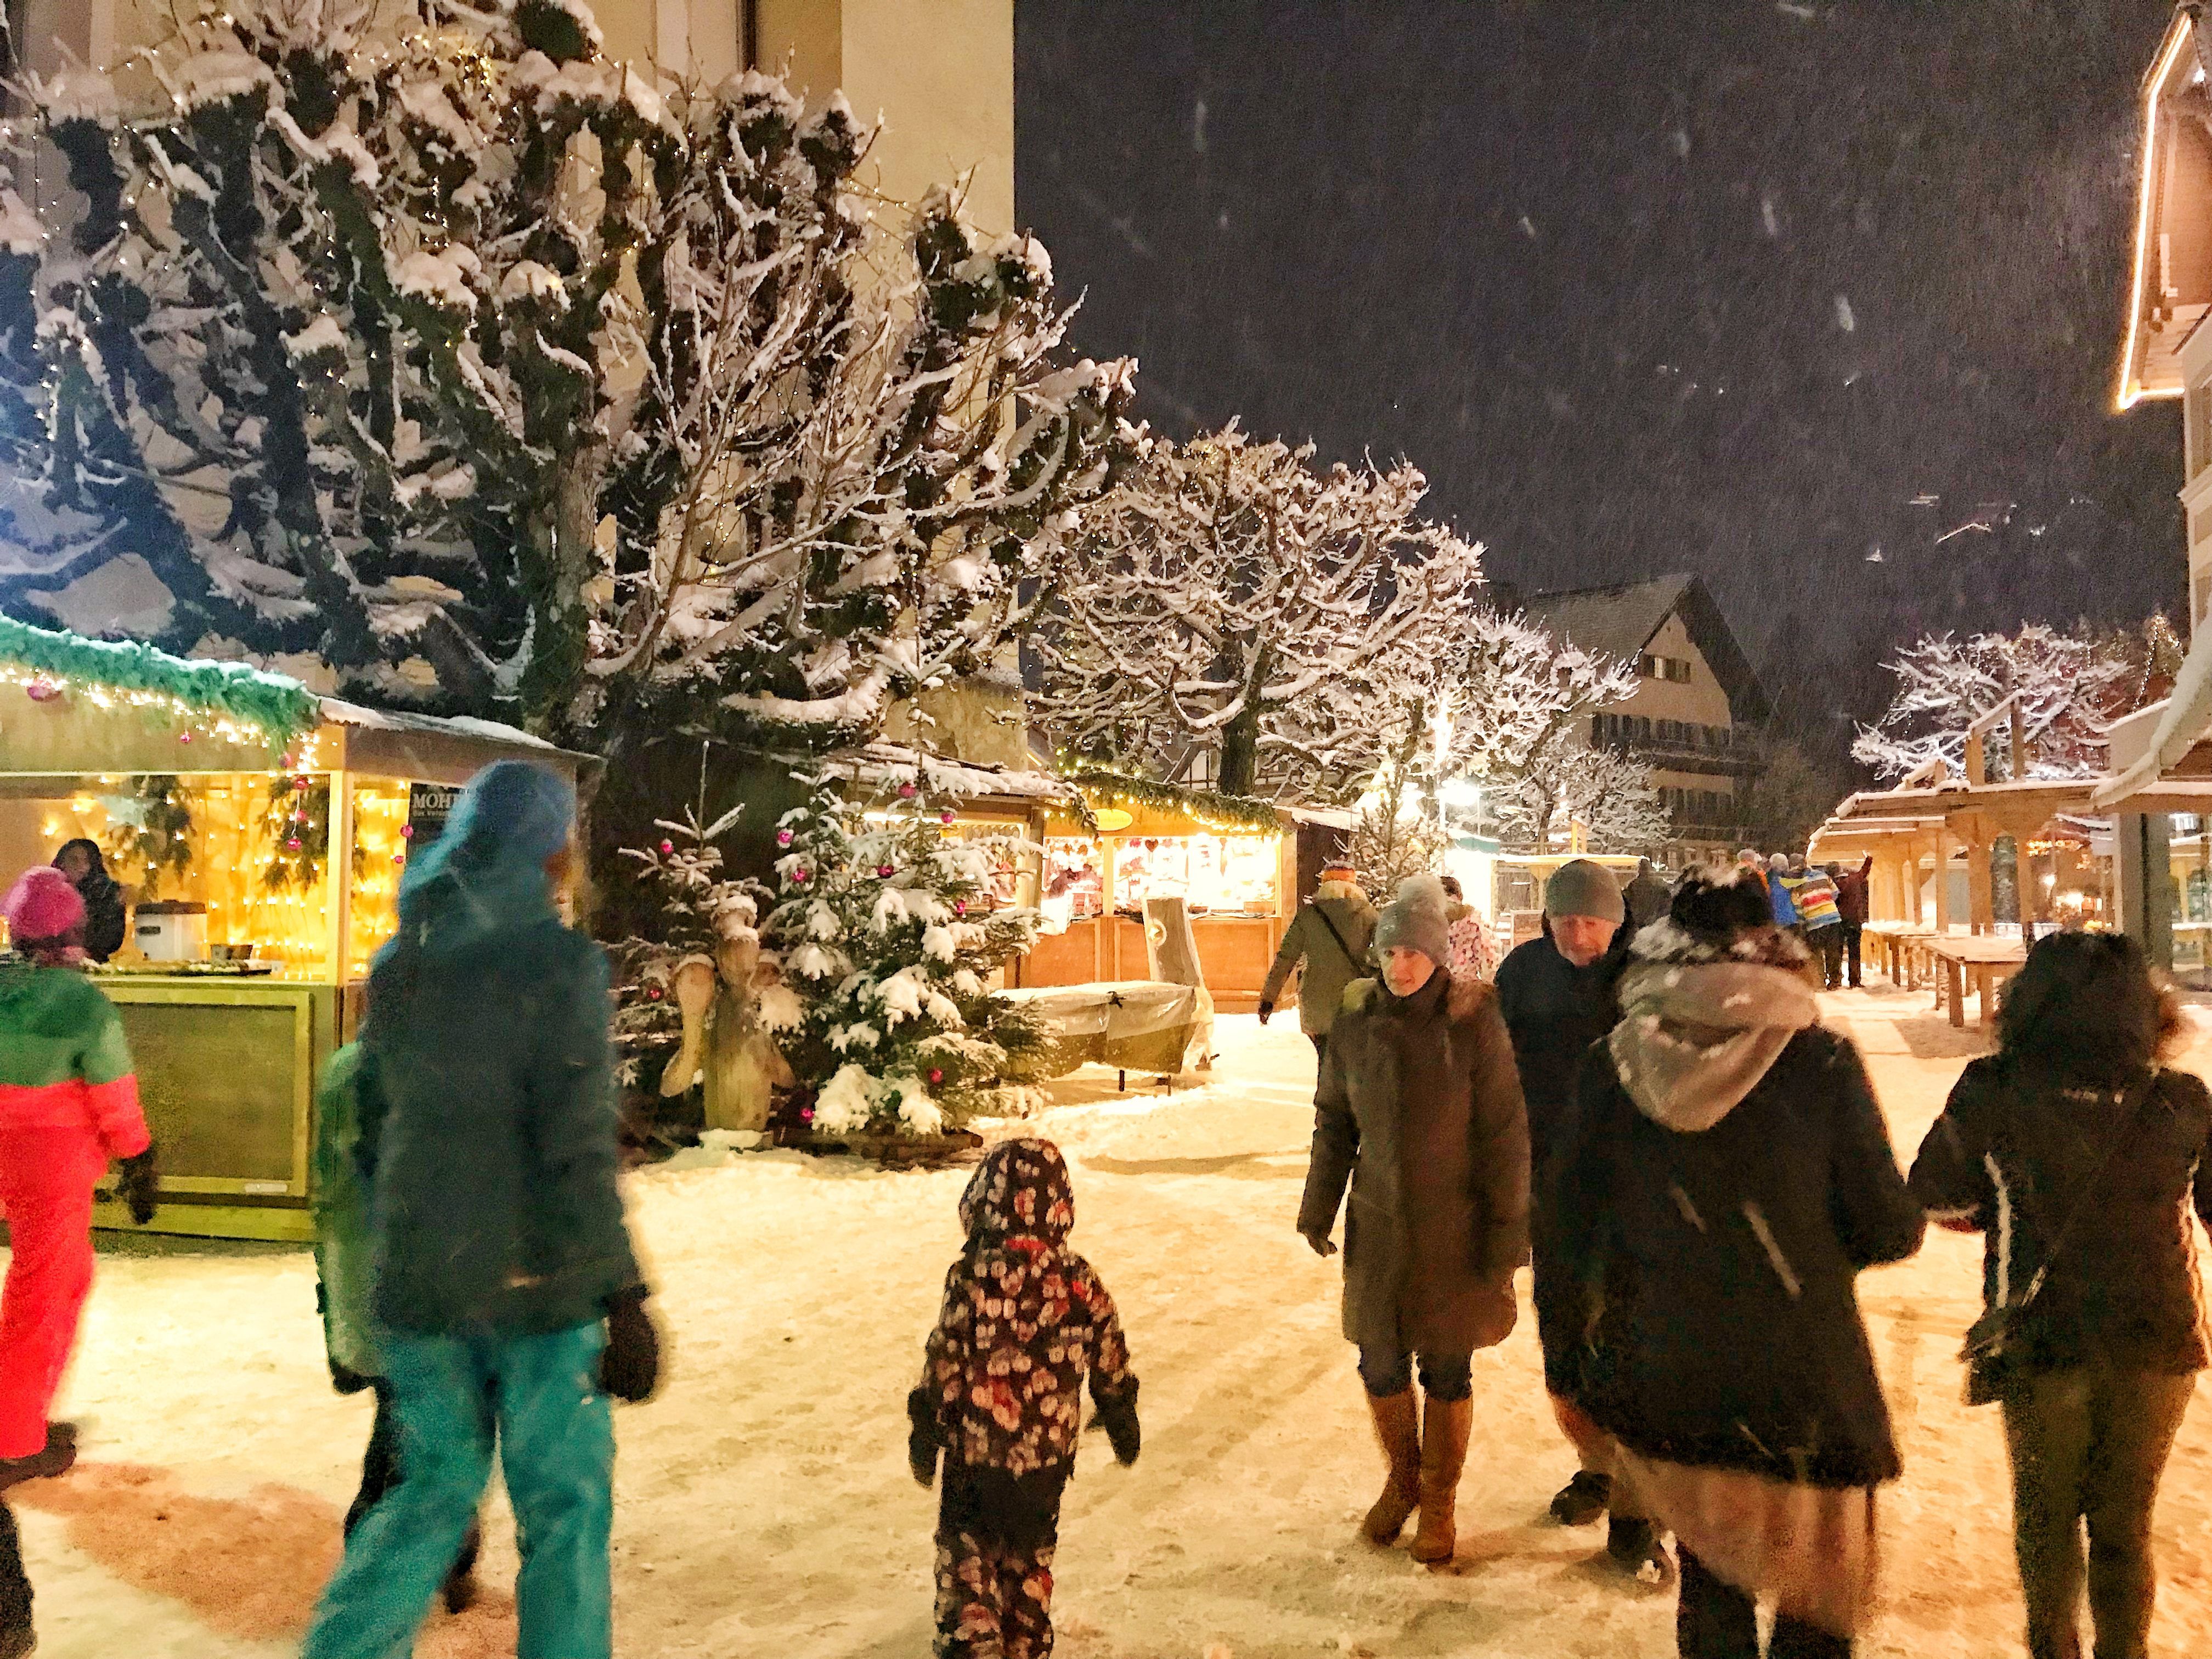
(2016, 1151)
(1555, 1010)
(1418, 1110)
(1701, 1304)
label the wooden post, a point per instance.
(1981, 890)
(1943, 879)
(2019, 742)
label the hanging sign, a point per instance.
(428, 806)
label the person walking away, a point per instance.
(1472, 956)
(1559, 993)
(107, 919)
(1331, 935)
(2080, 1155)
(1751, 863)
(68, 1103)
(1851, 900)
(1648, 896)
(507, 1303)
(1822, 917)
(1419, 1110)
(1024, 1319)
(1784, 908)
(344, 1277)
(1726, 1176)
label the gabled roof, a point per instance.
(1619, 620)
(2170, 278)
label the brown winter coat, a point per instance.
(1420, 1109)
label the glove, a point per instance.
(630, 1368)
(1117, 1414)
(1323, 1245)
(1266, 1009)
(922, 1442)
(135, 1181)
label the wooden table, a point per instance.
(1900, 943)
(1986, 959)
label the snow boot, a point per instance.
(1445, 1430)
(56, 1457)
(1398, 1426)
(1632, 1545)
(1582, 1499)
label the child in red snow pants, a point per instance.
(46, 1180)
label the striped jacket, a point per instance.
(2015, 1153)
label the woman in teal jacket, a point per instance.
(507, 1305)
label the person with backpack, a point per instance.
(1330, 935)
(1726, 1176)
(507, 1303)
(2079, 1155)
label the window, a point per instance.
(1664, 668)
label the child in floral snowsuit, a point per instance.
(1025, 1317)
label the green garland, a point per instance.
(282, 707)
(1258, 814)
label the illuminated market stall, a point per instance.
(218, 794)
(1238, 866)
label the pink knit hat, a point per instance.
(43, 904)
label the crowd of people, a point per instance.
(1641, 1105)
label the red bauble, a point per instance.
(294, 844)
(406, 832)
(303, 782)
(184, 737)
(906, 792)
(936, 1075)
(399, 858)
(666, 848)
(799, 875)
(783, 838)
(887, 871)
(653, 993)
(946, 817)
(960, 906)
(42, 690)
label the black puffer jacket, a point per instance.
(2016, 1151)
(1555, 1010)
(1700, 1303)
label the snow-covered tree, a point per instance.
(2068, 686)
(698, 901)
(1227, 598)
(1572, 786)
(455, 355)
(888, 934)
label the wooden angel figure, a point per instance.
(728, 1002)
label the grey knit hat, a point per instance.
(1417, 920)
(1583, 888)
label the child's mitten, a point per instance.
(1117, 1414)
(922, 1442)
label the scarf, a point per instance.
(1695, 1038)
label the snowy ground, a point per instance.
(763, 1501)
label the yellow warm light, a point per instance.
(2130, 393)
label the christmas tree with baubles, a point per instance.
(889, 932)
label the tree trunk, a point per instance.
(1240, 739)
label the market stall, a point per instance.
(1235, 865)
(260, 831)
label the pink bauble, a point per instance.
(406, 832)
(960, 906)
(946, 817)
(906, 792)
(653, 993)
(42, 691)
(303, 782)
(806, 1114)
(399, 858)
(936, 1075)
(184, 737)
(293, 844)
(783, 838)
(887, 871)
(799, 875)
(666, 848)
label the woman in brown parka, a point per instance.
(1420, 1109)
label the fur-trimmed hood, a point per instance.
(1347, 890)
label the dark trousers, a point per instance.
(2089, 1445)
(1387, 1371)
(14, 1588)
(1320, 1040)
(995, 1537)
(1714, 1620)
(1827, 945)
(1854, 936)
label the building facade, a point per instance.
(1698, 711)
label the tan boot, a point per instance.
(1397, 1425)
(1444, 1431)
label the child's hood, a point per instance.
(1021, 1190)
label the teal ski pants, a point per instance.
(538, 1399)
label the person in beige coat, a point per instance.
(1419, 1110)
(1330, 934)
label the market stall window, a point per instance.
(1235, 875)
(1074, 880)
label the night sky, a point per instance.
(1715, 285)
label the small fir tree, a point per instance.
(699, 903)
(888, 934)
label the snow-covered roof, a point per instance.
(339, 712)
(1619, 620)
(896, 763)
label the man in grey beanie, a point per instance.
(1419, 1111)
(1559, 995)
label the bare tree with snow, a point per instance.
(1228, 599)
(465, 360)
